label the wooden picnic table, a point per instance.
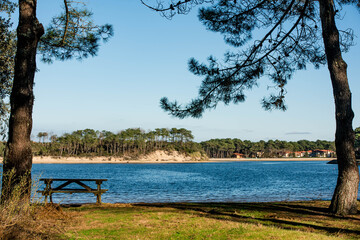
(49, 190)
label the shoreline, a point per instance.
(118, 160)
(269, 159)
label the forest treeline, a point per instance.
(130, 142)
(135, 142)
(225, 148)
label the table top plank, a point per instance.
(71, 179)
(73, 191)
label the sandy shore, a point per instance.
(177, 159)
(106, 160)
(77, 160)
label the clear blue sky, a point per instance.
(147, 59)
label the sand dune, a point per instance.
(155, 157)
(158, 157)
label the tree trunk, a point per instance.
(18, 155)
(344, 200)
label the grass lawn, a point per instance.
(282, 220)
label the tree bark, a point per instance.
(18, 155)
(344, 200)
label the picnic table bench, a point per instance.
(49, 190)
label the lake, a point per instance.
(200, 182)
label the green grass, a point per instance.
(283, 220)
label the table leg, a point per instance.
(98, 195)
(47, 190)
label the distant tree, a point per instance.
(108, 141)
(292, 38)
(165, 134)
(151, 142)
(53, 138)
(174, 134)
(70, 34)
(45, 136)
(186, 135)
(39, 136)
(42, 136)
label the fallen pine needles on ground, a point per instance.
(33, 222)
(28, 220)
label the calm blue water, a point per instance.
(200, 182)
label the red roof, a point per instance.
(322, 150)
(239, 154)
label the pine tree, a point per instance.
(70, 34)
(292, 39)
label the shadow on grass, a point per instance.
(281, 215)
